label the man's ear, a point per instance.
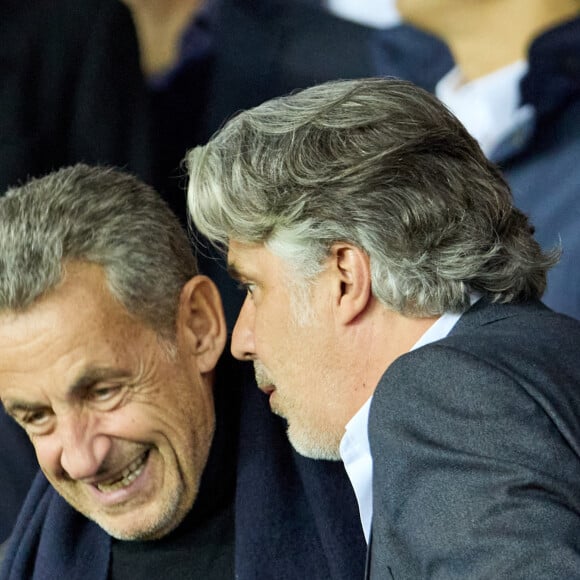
(351, 271)
(201, 322)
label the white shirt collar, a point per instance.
(355, 452)
(373, 13)
(355, 448)
(489, 106)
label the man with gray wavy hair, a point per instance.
(393, 316)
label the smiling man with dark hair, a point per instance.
(111, 360)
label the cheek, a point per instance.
(48, 452)
(271, 332)
(185, 409)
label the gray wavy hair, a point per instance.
(98, 215)
(383, 165)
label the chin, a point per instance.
(149, 521)
(140, 529)
(315, 445)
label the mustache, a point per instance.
(263, 379)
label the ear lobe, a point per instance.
(353, 272)
(201, 322)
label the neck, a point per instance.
(376, 343)
(160, 25)
(482, 49)
(486, 36)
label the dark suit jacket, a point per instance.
(476, 444)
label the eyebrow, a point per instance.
(12, 408)
(95, 375)
(233, 271)
(90, 377)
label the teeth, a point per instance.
(128, 475)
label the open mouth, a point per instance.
(127, 477)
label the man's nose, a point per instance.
(83, 448)
(243, 345)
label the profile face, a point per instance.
(295, 361)
(121, 426)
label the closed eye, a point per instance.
(104, 393)
(35, 417)
(35, 420)
(105, 397)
